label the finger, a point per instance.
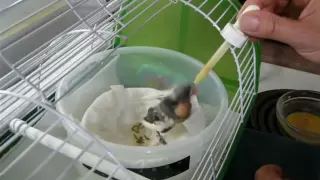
(262, 24)
(269, 172)
(267, 5)
(301, 3)
(253, 39)
(248, 3)
(311, 13)
(281, 5)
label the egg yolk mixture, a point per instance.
(305, 121)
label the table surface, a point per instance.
(283, 55)
(283, 68)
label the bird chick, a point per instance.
(177, 105)
(173, 108)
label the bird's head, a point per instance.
(174, 108)
(177, 105)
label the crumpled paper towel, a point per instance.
(115, 117)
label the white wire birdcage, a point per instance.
(42, 42)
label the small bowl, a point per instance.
(300, 103)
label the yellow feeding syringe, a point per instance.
(233, 36)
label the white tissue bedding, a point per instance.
(115, 117)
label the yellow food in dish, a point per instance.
(305, 121)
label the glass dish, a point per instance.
(298, 112)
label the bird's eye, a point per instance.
(174, 104)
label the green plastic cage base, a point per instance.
(181, 28)
(245, 120)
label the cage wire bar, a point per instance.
(30, 85)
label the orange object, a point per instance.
(183, 110)
(305, 121)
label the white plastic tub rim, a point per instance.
(132, 156)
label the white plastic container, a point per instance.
(145, 67)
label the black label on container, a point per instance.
(156, 173)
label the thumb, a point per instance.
(263, 24)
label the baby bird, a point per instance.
(173, 108)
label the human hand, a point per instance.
(269, 172)
(293, 22)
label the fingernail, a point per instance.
(249, 23)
